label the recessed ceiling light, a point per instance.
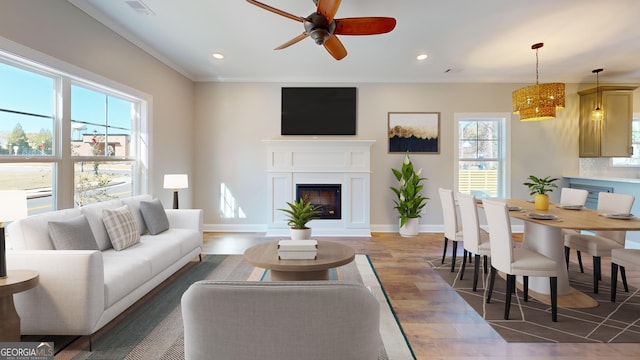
(218, 56)
(422, 56)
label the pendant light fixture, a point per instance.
(540, 101)
(598, 113)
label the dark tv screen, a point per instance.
(318, 111)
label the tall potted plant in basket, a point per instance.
(409, 201)
(539, 187)
(298, 215)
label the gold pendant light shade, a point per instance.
(540, 101)
(597, 114)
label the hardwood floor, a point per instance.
(437, 322)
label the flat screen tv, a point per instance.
(318, 111)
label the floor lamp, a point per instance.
(175, 182)
(13, 206)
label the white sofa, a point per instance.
(80, 291)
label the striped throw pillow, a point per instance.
(121, 227)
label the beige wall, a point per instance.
(233, 118)
(59, 29)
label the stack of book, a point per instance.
(297, 249)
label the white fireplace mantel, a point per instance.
(344, 162)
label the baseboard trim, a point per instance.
(262, 228)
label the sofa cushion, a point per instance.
(188, 239)
(32, 233)
(154, 216)
(121, 227)
(93, 212)
(72, 234)
(134, 204)
(124, 272)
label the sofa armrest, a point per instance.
(185, 218)
(69, 299)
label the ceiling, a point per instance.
(466, 40)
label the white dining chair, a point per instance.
(624, 259)
(602, 242)
(515, 261)
(476, 239)
(452, 230)
(572, 197)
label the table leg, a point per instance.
(548, 241)
(9, 320)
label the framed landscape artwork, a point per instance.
(415, 132)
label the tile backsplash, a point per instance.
(601, 167)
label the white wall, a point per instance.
(59, 29)
(233, 118)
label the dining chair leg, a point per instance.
(492, 279)
(614, 281)
(525, 286)
(553, 283)
(486, 261)
(464, 264)
(567, 251)
(453, 256)
(624, 278)
(476, 269)
(507, 299)
(470, 258)
(580, 262)
(444, 252)
(596, 273)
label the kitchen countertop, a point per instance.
(596, 178)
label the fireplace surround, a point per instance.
(345, 163)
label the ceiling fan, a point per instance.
(322, 27)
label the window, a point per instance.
(634, 160)
(481, 151)
(67, 141)
(101, 144)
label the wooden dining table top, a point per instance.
(583, 219)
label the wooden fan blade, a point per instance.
(277, 11)
(335, 48)
(328, 8)
(364, 25)
(292, 41)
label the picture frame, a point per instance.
(414, 132)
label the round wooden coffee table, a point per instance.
(330, 255)
(16, 281)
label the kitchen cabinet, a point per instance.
(612, 136)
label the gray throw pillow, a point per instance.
(154, 216)
(72, 234)
(121, 227)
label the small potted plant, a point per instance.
(299, 214)
(539, 187)
(409, 202)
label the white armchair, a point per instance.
(311, 320)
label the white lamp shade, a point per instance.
(176, 181)
(13, 205)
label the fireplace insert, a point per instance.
(327, 197)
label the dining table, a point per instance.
(543, 233)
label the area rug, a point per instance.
(530, 321)
(153, 329)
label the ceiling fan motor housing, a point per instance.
(319, 28)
